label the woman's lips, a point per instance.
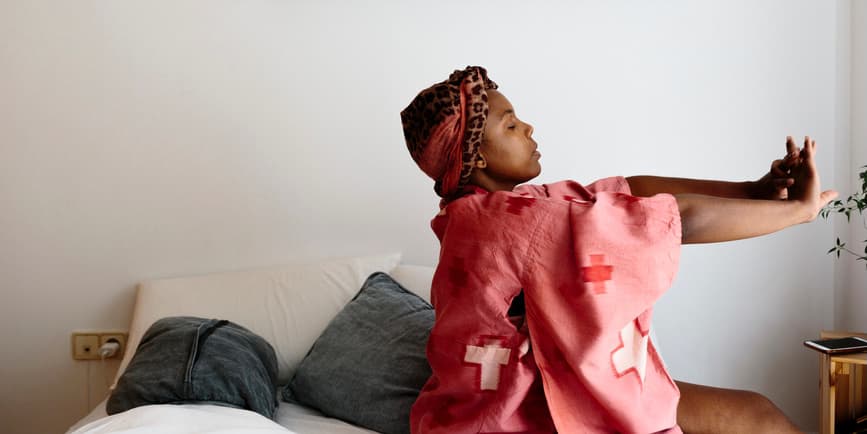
(537, 154)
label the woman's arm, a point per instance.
(646, 186)
(772, 185)
(708, 219)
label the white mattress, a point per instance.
(292, 417)
(306, 420)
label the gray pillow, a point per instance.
(197, 360)
(369, 364)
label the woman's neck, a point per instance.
(485, 182)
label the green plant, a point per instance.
(855, 202)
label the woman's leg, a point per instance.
(705, 409)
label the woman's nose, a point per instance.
(529, 130)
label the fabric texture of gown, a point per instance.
(591, 262)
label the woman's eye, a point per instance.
(511, 127)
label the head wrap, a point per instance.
(443, 127)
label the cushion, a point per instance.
(288, 305)
(416, 278)
(369, 364)
(189, 360)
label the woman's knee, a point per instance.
(705, 409)
(762, 414)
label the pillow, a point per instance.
(196, 360)
(369, 364)
(416, 278)
(288, 305)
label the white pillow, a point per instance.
(416, 278)
(288, 305)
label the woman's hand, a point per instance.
(708, 219)
(774, 185)
(806, 188)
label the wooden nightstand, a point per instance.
(842, 386)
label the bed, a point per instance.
(288, 305)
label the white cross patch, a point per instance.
(632, 354)
(490, 357)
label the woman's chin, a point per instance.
(538, 170)
(530, 178)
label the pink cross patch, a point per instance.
(458, 275)
(518, 203)
(491, 356)
(597, 273)
(628, 198)
(631, 355)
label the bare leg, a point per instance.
(705, 409)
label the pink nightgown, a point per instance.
(591, 262)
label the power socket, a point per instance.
(86, 344)
(118, 337)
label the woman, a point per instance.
(544, 293)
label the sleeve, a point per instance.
(624, 246)
(591, 283)
(615, 184)
(572, 190)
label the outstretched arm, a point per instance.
(708, 219)
(646, 186)
(770, 186)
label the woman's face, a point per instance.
(508, 148)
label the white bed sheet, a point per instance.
(182, 419)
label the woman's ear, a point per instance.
(480, 162)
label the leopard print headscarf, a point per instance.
(443, 127)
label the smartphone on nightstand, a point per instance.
(851, 344)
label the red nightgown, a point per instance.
(591, 262)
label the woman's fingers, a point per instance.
(777, 169)
(781, 188)
(790, 145)
(808, 153)
(793, 154)
(784, 183)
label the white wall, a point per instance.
(149, 139)
(852, 285)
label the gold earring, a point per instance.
(481, 164)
